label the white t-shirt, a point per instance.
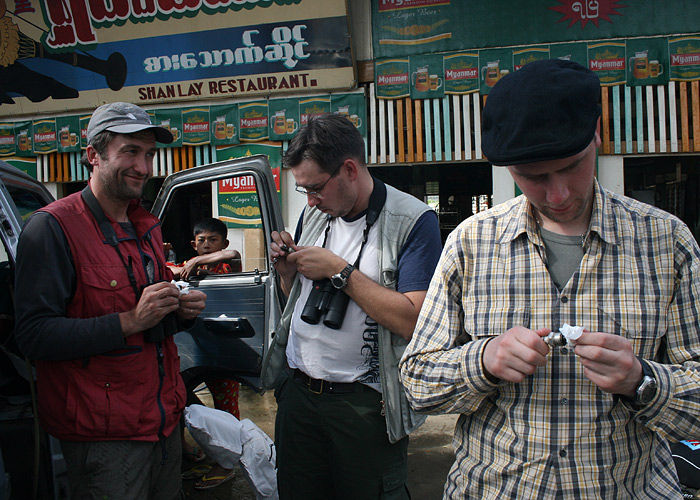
(350, 353)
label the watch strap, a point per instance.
(646, 369)
(647, 383)
(345, 273)
(342, 276)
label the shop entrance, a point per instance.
(671, 183)
(455, 191)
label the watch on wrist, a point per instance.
(340, 280)
(646, 390)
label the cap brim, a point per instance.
(163, 135)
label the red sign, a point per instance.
(587, 11)
(685, 59)
(242, 184)
(462, 74)
(606, 64)
(400, 79)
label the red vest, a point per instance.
(115, 395)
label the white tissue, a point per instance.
(571, 332)
(183, 286)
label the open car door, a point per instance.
(231, 335)
(35, 467)
(20, 197)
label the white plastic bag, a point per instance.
(259, 461)
(217, 432)
(229, 441)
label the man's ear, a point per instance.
(351, 167)
(194, 244)
(224, 244)
(92, 155)
(598, 141)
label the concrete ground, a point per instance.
(430, 452)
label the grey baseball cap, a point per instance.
(124, 118)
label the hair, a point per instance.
(100, 142)
(103, 139)
(211, 225)
(328, 140)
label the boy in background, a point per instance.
(211, 243)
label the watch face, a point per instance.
(341, 279)
(647, 390)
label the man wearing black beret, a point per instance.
(563, 325)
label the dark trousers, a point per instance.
(335, 446)
(124, 470)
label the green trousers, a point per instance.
(124, 470)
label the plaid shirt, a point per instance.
(556, 434)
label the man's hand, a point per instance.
(316, 263)
(156, 301)
(516, 354)
(191, 304)
(609, 362)
(281, 246)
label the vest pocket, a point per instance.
(105, 398)
(104, 289)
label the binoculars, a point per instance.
(327, 302)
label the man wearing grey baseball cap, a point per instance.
(97, 311)
(562, 326)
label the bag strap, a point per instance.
(109, 233)
(99, 215)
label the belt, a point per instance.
(318, 386)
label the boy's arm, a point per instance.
(191, 265)
(176, 270)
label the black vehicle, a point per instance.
(228, 340)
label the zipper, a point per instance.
(161, 409)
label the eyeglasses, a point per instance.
(317, 192)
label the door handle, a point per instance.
(236, 327)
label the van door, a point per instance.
(231, 335)
(20, 197)
(31, 464)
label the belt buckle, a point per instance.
(320, 386)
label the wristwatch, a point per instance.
(340, 280)
(646, 390)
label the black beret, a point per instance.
(546, 110)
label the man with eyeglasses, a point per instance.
(356, 275)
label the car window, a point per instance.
(26, 201)
(234, 201)
(19, 198)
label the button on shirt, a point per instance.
(556, 434)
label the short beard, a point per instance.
(118, 190)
